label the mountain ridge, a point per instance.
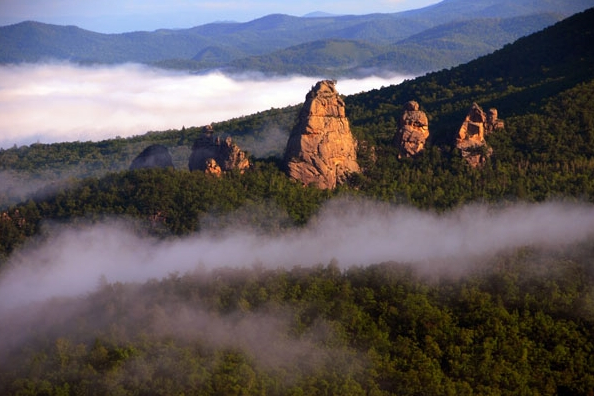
(177, 48)
(433, 49)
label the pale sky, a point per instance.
(116, 16)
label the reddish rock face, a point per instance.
(214, 155)
(413, 130)
(493, 122)
(321, 150)
(471, 137)
(212, 168)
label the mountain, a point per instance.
(531, 76)
(450, 10)
(436, 48)
(455, 43)
(218, 44)
(322, 57)
(34, 41)
(319, 14)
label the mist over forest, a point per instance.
(280, 307)
(349, 232)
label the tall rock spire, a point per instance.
(321, 150)
(413, 130)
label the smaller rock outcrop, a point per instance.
(212, 168)
(154, 156)
(471, 137)
(413, 130)
(321, 150)
(216, 155)
(493, 121)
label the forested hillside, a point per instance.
(519, 321)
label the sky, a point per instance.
(117, 16)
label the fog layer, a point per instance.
(352, 232)
(64, 102)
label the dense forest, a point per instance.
(518, 322)
(517, 326)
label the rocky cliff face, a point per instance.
(321, 150)
(154, 156)
(471, 137)
(216, 155)
(413, 130)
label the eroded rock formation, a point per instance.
(216, 155)
(493, 121)
(154, 156)
(471, 137)
(321, 150)
(413, 130)
(212, 168)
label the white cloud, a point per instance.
(64, 102)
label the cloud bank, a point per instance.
(50, 103)
(352, 232)
(85, 264)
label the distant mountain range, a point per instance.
(417, 41)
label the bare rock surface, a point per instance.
(216, 155)
(471, 136)
(413, 130)
(321, 150)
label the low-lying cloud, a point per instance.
(352, 232)
(49, 103)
